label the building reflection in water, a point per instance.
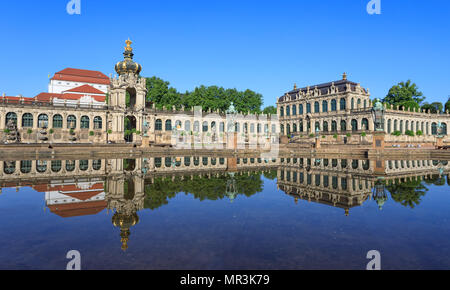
(126, 186)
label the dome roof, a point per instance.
(127, 65)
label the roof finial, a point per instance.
(128, 47)
(295, 86)
(344, 76)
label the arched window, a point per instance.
(205, 127)
(316, 107)
(84, 124)
(282, 129)
(187, 126)
(444, 128)
(274, 128)
(434, 128)
(158, 125)
(324, 106)
(9, 167)
(300, 109)
(365, 104)
(288, 129)
(401, 125)
(57, 121)
(41, 166)
(187, 161)
(395, 125)
(365, 124)
(333, 105)
(11, 116)
(25, 166)
(168, 126)
(27, 120)
(84, 165)
(317, 126)
(354, 125)
(196, 126)
(342, 104)
(301, 126)
(294, 128)
(213, 126)
(308, 108)
(353, 103)
(56, 165)
(325, 126)
(258, 128)
(98, 122)
(281, 111)
(333, 126)
(222, 127)
(97, 164)
(389, 126)
(70, 165)
(343, 125)
(288, 110)
(237, 127)
(71, 122)
(178, 124)
(43, 121)
(294, 110)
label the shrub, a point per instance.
(323, 136)
(7, 131)
(363, 134)
(396, 133)
(51, 131)
(29, 131)
(335, 136)
(138, 132)
(409, 133)
(419, 133)
(311, 135)
(109, 131)
(348, 135)
(91, 133)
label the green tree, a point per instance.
(447, 105)
(159, 92)
(404, 94)
(270, 110)
(435, 107)
(408, 192)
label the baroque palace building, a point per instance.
(343, 107)
(84, 106)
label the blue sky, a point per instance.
(266, 46)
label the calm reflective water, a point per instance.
(224, 213)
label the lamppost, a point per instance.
(379, 193)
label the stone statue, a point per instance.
(378, 115)
(231, 118)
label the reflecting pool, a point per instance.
(204, 212)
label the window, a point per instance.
(25, 166)
(98, 123)
(97, 164)
(168, 126)
(187, 161)
(56, 165)
(70, 165)
(325, 126)
(365, 124)
(333, 126)
(308, 108)
(43, 121)
(354, 125)
(205, 127)
(333, 105)
(84, 122)
(281, 111)
(84, 165)
(324, 106)
(222, 126)
(187, 126)
(342, 104)
(343, 125)
(316, 107)
(178, 124)
(300, 109)
(158, 125)
(57, 121)
(11, 116)
(294, 110)
(196, 126)
(41, 166)
(27, 120)
(288, 111)
(71, 122)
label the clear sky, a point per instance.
(265, 46)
